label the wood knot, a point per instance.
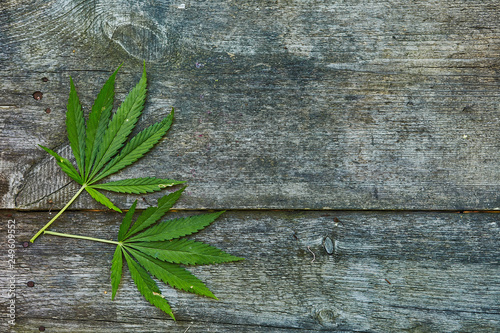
(328, 317)
(328, 244)
(141, 42)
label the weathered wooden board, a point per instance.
(390, 272)
(280, 104)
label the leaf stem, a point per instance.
(81, 237)
(58, 214)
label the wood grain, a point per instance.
(390, 272)
(280, 104)
(289, 113)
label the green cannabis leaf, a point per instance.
(157, 249)
(99, 147)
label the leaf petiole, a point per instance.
(58, 214)
(81, 237)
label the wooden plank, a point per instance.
(389, 272)
(351, 105)
(280, 104)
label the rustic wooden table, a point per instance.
(372, 123)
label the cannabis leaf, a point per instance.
(155, 249)
(99, 147)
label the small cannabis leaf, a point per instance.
(157, 250)
(99, 147)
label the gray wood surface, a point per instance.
(280, 104)
(390, 272)
(383, 114)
